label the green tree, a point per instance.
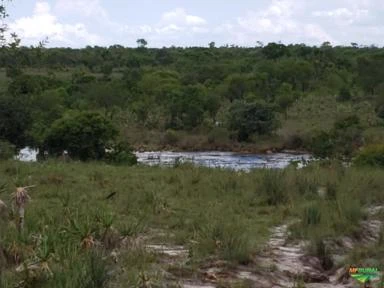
(347, 135)
(3, 26)
(83, 135)
(7, 150)
(121, 153)
(142, 43)
(371, 72)
(285, 97)
(251, 118)
(321, 144)
(274, 50)
(371, 156)
(46, 107)
(15, 120)
(344, 94)
(186, 107)
(237, 87)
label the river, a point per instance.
(213, 159)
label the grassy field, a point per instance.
(80, 212)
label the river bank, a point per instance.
(181, 141)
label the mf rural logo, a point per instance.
(366, 276)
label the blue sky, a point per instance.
(77, 23)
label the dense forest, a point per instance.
(327, 100)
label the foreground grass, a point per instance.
(80, 211)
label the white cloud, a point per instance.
(279, 8)
(275, 19)
(343, 16)
(277, 22)
(169, 29)
(44, 24)
(181, 17)
(70, 22)
(174, 22)
(196, 29)
(89, 8)
(315, 32)
(256, 22)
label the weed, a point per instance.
(272, 187)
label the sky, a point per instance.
(163, 23)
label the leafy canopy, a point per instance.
(83, 135)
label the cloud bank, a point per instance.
(79, 23)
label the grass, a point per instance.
(73, 224)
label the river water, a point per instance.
(235, 161)
(213, 159)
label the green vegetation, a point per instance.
(371, 156)
(80, 213)
(84, 136)
(228, 98)
(90, 223)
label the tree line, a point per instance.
(243, 91)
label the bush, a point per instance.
(251, 118)
(7, 150)
(218, 135)
(312, 215)
(84, 136)
(344, 95)
(121, 153)
(294, 141)
(371, 156)
(347, 135)
(321, 144)
(273, 187)
(227, 239)
(171, 137)
(319, 249)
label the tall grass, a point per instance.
(73, 223)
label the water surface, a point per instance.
(235, 161)
(213, 159)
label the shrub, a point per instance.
(121, 153)
(171, 137)
(84, 136)
(272, 186)
(371, 156)
(7, 150)
(380, 111)
(321, 144)
(347, 135)
(311, 215)
(320, 250)
(218, 135)
(344, 95)
(251, 118)
(294, 141)
(228, 239)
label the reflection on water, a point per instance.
(27, 155)
(230, 160)
(212, 159)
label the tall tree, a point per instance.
(141, 42)
(250, 118)
(3, 26)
